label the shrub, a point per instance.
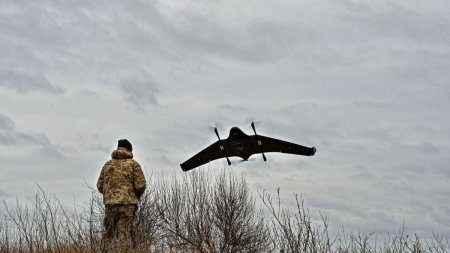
(198, 212)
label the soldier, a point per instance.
(122, 183)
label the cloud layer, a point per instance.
(365, 82)
(24, 83)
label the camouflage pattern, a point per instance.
(121, 181)
(119, 228)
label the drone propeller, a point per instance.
(222, 147)
(259, 142)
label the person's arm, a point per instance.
(139, 180)
(101, 179)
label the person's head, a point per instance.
(124, 143)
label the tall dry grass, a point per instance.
(198, 212)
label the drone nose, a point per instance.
(313, 151)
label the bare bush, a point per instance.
(148, 234)
(293, 232)
(239, 227)
(199, 212)
(205, 215)
(48, 227)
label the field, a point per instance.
(196, 213)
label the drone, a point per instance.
(242, 145)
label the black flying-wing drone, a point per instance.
(242, 145)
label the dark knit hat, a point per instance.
(124, 143)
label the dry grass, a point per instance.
(196, 213)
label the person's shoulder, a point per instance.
(108, 162)
(134, 162)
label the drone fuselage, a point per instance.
(240, 143)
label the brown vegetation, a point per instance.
(199, 212)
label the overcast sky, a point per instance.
(366, 82)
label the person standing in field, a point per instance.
(122, 184)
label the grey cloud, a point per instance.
(236, 110)
(140, 93)
(4, 193)
(428, 148)
(259, 41)
(14, 138)
(28, 23)
(362, 172)
(338, 205)
(142, 24)
(10, 136)
(443, 217)
(48, 151)
(93, 144)
(6, 124)
(24, 83)
(165, 160)
(398, 21)
(360, 88)
(101, 148)
(353, 6)
(87, 94)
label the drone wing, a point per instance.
(275, 145)
(214, 151)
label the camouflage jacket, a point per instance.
(121, 181)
